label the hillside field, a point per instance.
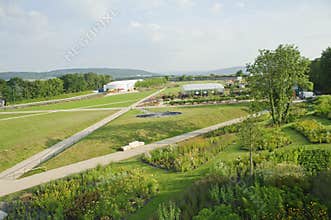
(23, 137)
(129, 128)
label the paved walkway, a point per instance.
(28, 164)
(11, 186)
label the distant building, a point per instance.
(2, 102)
(202, 89)
(120, 86)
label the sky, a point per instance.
(156, 35)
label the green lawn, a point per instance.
(24, 137)
(62, 96)
(129, 128)
(3, 116)
(122, 100)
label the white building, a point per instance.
(120, 86)
(202, 89)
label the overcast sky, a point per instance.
(156, 35)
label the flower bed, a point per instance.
(102, 193)
(187, 157)
(313, 131)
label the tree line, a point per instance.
(17, 89)
(320, 72)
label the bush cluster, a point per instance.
(186, 157)
(101, 193)
(322, 106)
(314, 131)
(230, 192)
(206, 100)
(271, 139)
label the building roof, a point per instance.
(205, 86)
(123, 82)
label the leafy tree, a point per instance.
(273, 77)
(239, 73)
(249, 136)
(320, 72)
(3, 89)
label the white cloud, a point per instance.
(16, 21)
(217, 7)
(135, 24)
(185, 3)
(240, 4)
(155, 27)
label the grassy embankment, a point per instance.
(129, 128)
(23, 137)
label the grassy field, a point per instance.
(4, 116)
(23, 137)
(130, 128)
(62, 96)
(122, 100)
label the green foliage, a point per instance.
(223, 212)
(271, 139)
(168, 211)
(98, 193)
(207, 100)
(187, 157)
(320, 72)
(322, 106)
(17, 89)
(274, 74)
(281, 190)
(315, 160)
(151, 82)
(297, 111)
(314, 131)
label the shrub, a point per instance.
(99, 193)
(315, 160)
(188, 156)
(168, 211)
(322, 106)
(223, 211)
(272, 139)
(314, 131)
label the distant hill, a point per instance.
(116, 73)
(224, 71)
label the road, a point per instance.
(8, 186)
(28, 164)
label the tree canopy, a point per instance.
(274, 74)
(320, 72)
(17, 89)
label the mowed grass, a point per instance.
(62, 96)
(24, 137)
(13, 115)
(129, 128)
(121, 100)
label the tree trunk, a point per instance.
(251, 159)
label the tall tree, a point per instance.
(274, 74)
(320, 72)
(326, 70)
(249, 136)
